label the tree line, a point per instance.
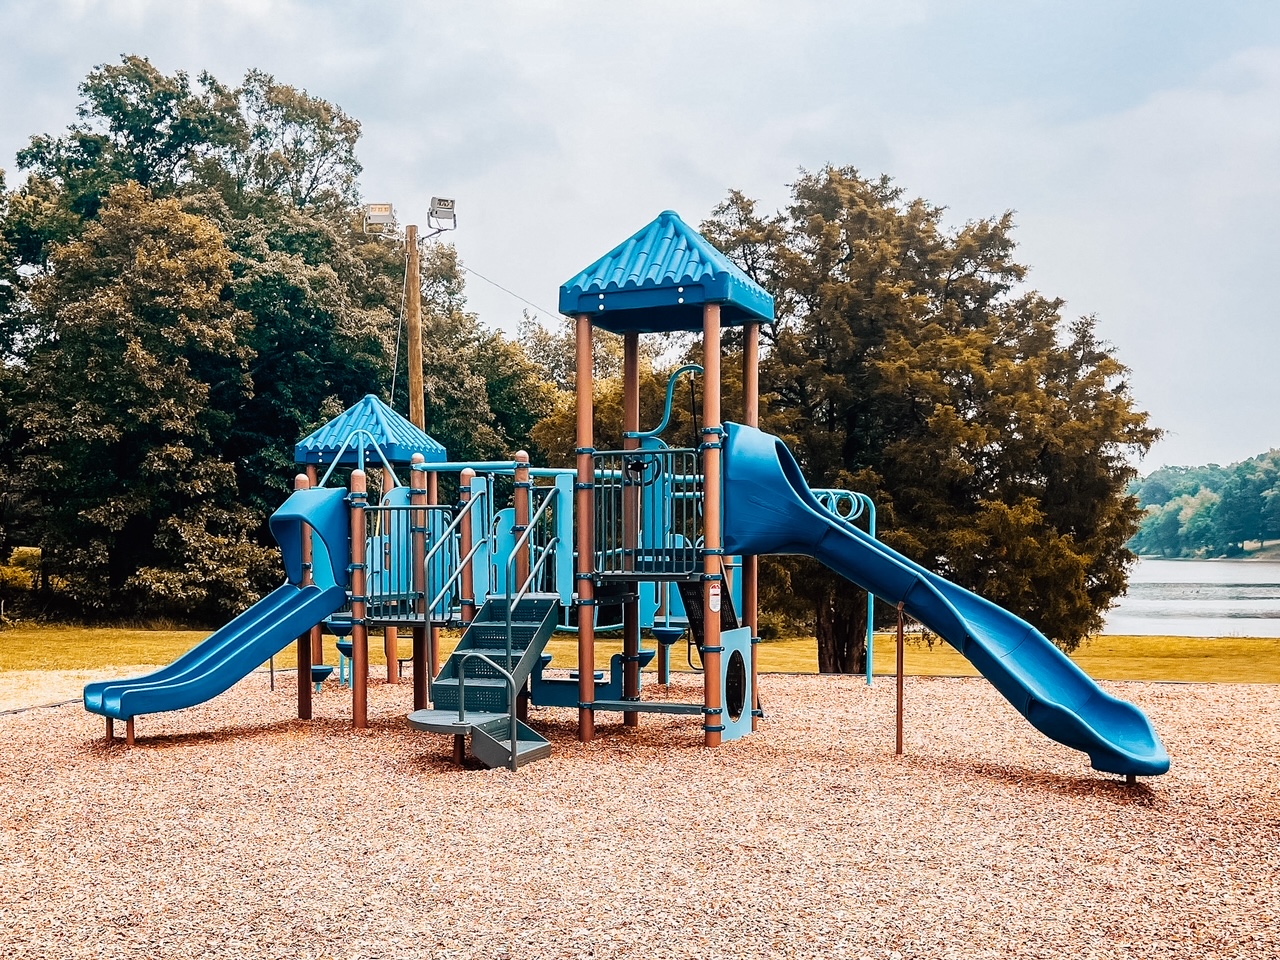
(1209, 511)
(185, 292)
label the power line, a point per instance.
(512, 293)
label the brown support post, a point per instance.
(111, 731)
(128, 731)
(467, 533)
(630, 523)
(901, 661)
(433, 632)
(712, 559)
(418, 530)
(586, 508)
(359, 629)
(751, 565)
(317, 632)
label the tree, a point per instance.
(137, 375)
(300, 148)
(908, 363)
(137, 125)
(270, 171)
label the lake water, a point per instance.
(1200, 598)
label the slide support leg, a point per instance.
(901, 657)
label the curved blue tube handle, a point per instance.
(666, 413)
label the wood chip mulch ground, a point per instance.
(233, 830)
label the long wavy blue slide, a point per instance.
(259, 633)
(768, 508)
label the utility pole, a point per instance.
(413, 316)
(380, 219)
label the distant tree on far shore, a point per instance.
(1209, 511)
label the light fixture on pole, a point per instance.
(379, 219)
(441, 216)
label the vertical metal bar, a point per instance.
(630, 521)
(712, 586)
(111, 731)
(359, 608)
(128, 731)
(467, 532)
(391, 528)
(901, 660)
(751, 564)
(418, 528)
(871, 597)
(586, 534)
(523, 496)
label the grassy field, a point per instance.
(1221, 660)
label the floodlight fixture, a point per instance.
(441, 215)
(379, 218)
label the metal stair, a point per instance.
(486, 716)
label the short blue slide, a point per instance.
(768, 508)
(259, 633)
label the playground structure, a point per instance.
(670, 535)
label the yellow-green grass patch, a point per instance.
(1190, 659)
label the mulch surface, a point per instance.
(234, 830)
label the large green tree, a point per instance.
(299, 321)
(142, 362)
(909, 361)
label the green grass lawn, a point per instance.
(1224, 660)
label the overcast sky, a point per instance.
(1137, 142)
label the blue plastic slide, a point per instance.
(260, 632)
(768, 508)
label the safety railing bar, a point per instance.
(457, 574)
(522, 541)
(524, 589)
(451, 528)
(511, 695)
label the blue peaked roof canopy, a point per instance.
(657, 281)
(398, 438)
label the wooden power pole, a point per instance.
(413, 312)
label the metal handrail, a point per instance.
(445, 537)
(547, 551)
(666, 413)
(511, 696)
(523, 541)
(454, 577)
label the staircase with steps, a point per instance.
(486, 716)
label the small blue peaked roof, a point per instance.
(398, 438)
(657, 281)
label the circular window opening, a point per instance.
(735, 685)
